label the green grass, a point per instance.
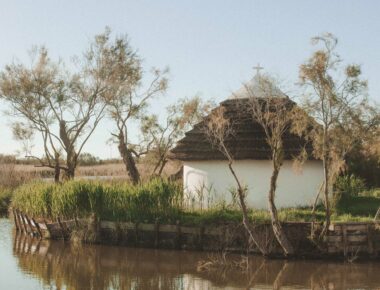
(109, 201)
(358, 206)
(157, 199)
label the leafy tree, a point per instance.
(336, 99)
(219, 129)
(87, 159)
(127, 100)
(159, 138)
(273, 112)
(64, 107)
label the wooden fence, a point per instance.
(343, 239)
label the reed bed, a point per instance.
(157, 199)
(116, 201)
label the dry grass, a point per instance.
(116, 170)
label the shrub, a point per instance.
(5, 200)
(349, 185)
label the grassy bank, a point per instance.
(157, 199)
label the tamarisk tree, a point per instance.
(335, 98)
(160, 137)
(219, 129)
(127, 100)
(64, 107)
(272, 111)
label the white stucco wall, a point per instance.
(294, 187)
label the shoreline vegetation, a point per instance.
(160, 199)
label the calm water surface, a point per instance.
(26, 263)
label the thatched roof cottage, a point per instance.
(205, 169)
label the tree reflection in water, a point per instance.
(66, 266)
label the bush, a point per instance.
(87, 159)
(349, 185)
(364, 206)
(5, 200)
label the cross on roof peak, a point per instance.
(258, 68)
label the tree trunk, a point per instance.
(57, 172)
(71, 155)
(71, 164)
(276, 225)
(163, 163)
(128, 160)
(326, 195)
(243, 206)
(70, 172)
(57, 168)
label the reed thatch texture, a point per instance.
(247, 142)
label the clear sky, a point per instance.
(209, 46)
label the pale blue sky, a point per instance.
(210, 46)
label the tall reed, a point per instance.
(112, 201)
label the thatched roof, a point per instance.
(247, 142)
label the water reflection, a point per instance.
(65, 266)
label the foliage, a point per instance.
(364, 162)
(63, 107)
(128, 100)
(160, 137)
(358, 206)
(87, 159)
(273, 113)
(5, 200)
(336, 99)
(349, 185)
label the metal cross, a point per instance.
(258, 68)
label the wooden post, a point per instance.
(61, 227)
(377, 215)
(370, 241)
(47, 228)
(37, 228)
(15, 219)
(201, 237)
(224, 238)
(29, 224)
(178, 238)
(136, 233)
(23, 223)
(344, 239)
(22, 228)
(156, 233)
(19, 221)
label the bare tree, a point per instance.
(127, 101)
(64, 107)
(160, 137)
(272, 111)
(219, 130)
(331, 99)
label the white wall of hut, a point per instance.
(209, 182)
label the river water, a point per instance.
(26, 263)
